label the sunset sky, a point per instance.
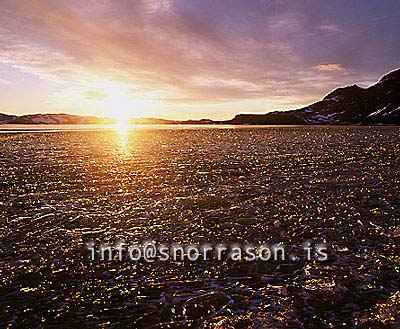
(189, 59)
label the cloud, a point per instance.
(330, 68)
(332, 28)
(5, 82)
(95, 95)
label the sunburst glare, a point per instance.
(119, 105)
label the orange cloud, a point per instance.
(330, 68)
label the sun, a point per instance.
(119, 106)
(122, 119)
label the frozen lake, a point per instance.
(61, 187)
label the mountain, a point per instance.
(353, 105)
(377, 105)
(5, 118)
(62, 118)
(150, 121)
(59, 118)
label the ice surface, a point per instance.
(335, 185)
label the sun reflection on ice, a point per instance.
(122, 131)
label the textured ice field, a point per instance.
(59, 190)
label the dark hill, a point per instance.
(353, 105)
